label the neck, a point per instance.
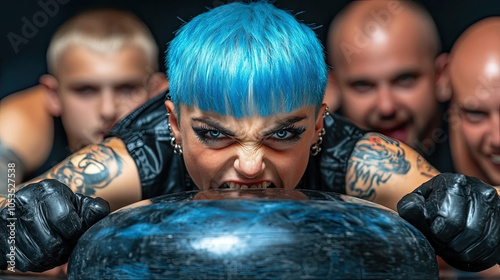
(433, 135)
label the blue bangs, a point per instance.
(245, 60)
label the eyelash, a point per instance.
(295, 131)
(202, 132)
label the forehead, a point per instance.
(477, 90)
(83, 62)
(383, 51)
(381, 60)
(476, 80)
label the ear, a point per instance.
(158, 83)
(319, 122)
(52, 100)
(332, 94)
(443, 86)
(174, 123)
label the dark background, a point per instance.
(22, 68)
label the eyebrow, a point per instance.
(280, 126)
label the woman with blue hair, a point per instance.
(246, 111)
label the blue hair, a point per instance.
(245, 60)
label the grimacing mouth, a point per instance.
(236, 186)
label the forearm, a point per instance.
(11, 172)
(88, 170)
(100, 170)
(383, 170)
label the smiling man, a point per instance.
(387, 74)
(475, 105)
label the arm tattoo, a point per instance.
(425, 168)
(372, 162)
(8, 156)
(89, 169)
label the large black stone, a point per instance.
(264, 234)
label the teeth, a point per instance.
(495, 159)
(234, 186)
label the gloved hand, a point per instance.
(460, 217)
(45, 225)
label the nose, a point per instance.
(108, 106)
(386, 103)
(249, 162)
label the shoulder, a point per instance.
(339, 141)
(147, 139)
(340, 131)
(27, 108)
(26, 126)
(151, 115)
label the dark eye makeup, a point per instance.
(290, 133)
(208, 134)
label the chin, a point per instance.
(488, 172)
(494, 179)
(95, 140)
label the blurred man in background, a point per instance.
(103, 64)
(387, 74)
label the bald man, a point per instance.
(388, 74)
(474, 72)
(475, 106)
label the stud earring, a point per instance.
(316, 147)
(326, 112)
(173, 141)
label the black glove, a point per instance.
(45, 225)
(460, 217)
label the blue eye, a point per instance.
(209, 134)
(283, 134)
(288, 134)
(214, 133)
